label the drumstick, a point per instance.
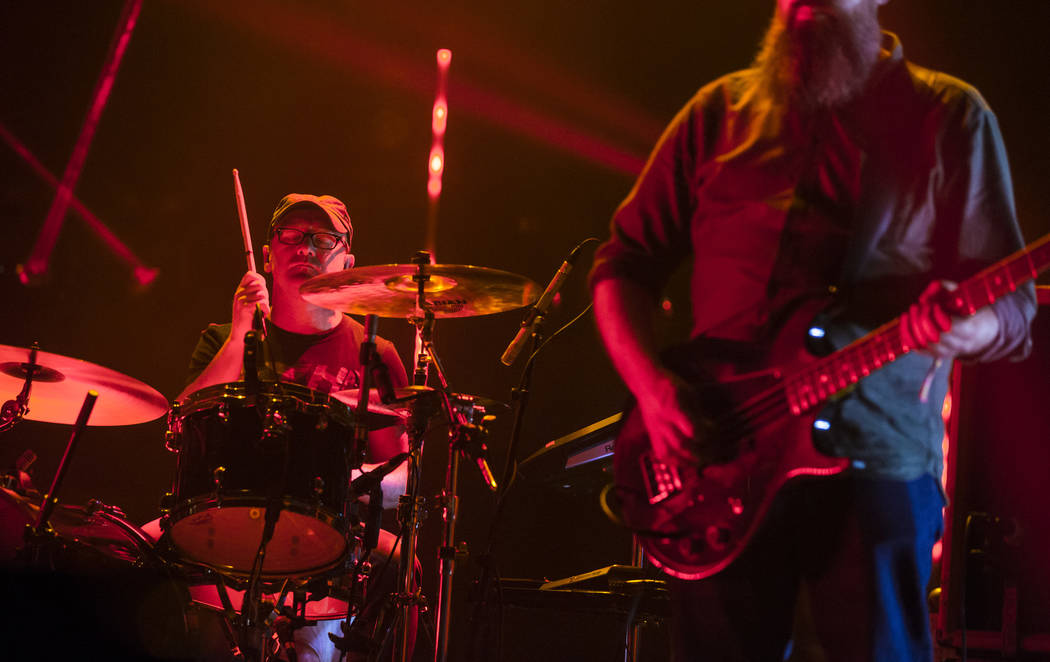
(246, 233)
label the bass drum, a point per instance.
(236, 453)
(92, 588)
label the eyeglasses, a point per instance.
(325, 241)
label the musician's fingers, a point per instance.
(912, 322)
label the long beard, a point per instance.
(820, 64)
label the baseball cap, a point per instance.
(333, 207)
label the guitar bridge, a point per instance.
(662, 481)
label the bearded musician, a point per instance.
(831, 163)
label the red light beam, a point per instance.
(36, 264)
(143, 274)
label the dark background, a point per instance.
(553, 107)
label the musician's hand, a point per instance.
(671, 428)
(251, 291)
(927, 327)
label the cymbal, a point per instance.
(405, 396)
(60, 384)
(389, 290)
(351, 397)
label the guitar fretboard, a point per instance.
(822, 379)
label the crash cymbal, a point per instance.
(60, 384)
(389, 290)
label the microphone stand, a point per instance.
(370, 538)
(520, 396)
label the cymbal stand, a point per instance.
(411, 506)
(466, 438)
(15, 410)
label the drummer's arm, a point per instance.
(227, 366)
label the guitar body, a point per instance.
(693, 521)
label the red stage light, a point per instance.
(437, 160)
(440, 120)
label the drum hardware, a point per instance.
(14, 411)
(422, 292)
(18, 479)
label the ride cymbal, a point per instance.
(391, 290)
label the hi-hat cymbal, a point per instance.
(351, 397)
(60, 384)
(390, 290)
(409, 396)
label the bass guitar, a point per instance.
(760, 415)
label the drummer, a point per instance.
(311, 346)
(305, 344)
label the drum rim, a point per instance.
(206, 398)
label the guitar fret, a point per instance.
(792, 398)
(988, 291)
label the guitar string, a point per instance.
(774, 401)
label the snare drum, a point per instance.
(97, 537)
(237, 452)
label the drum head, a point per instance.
(228, 538)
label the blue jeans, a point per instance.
(838, 572)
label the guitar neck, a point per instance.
(822, 379)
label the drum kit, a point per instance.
(264, 527)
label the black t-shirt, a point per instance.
(324, 362)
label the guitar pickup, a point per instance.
(662, 481)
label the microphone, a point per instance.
(539, 308)
(251, 369)
(366, 480)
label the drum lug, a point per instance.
(322, 423)
(318, 487)
(167, 502)
(98, 506)
(171, 441)
(172, 436)
(224, 412)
